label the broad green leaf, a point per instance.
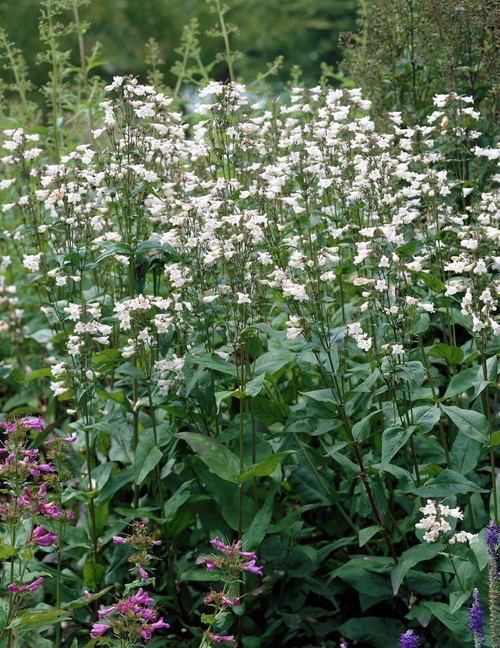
(393, 439)
(457, 622)
(473, 424)
(431, 281)
(115, 482)
(147, 458)
(93, 573)
(175, 501)
(261, 521)
(6, 551)
(273, 361)
(410, 558)
(40, 617)
(461, 382)
(362, 429)
(425, 417)
(373, 631)
(254, 386)
(39, 373)
(219, 459)
(86, 600)
(42, 336)
(321, 395)
(454, 355)
(457, 599)
(216, 363)
(413, 372)
(265, 467)
(446, 484)
(367, 533)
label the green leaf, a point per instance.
(147, 457)
(254, 386)
(321, 395)
(446, 484)
(367, 533)
(219, 459)
(473, 424)
(216, 363)
(454, 355)
(273, 361)
(259, 526)
(362, 429)
(410, 558)
(461, 382)
(265, 467)
(181, 495)
(6, 551)
(393, 439)
(39, 373)
(117, 396)
(373, 631)
(457, 622)
(42, 336)
(93, 573)
(425, 417)
(431, 281)
(457, 599)
(32, 618)
(86, 600)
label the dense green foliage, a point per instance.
(249, 317)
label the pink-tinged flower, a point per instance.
(42, 537)
(16, 588)
(146, 634)
(142, 597)
(219, 545)
(118, 540)
(219, 638)
(69, 515)
(98, 629)
(144, 574)
(252, 567)
(248, 554)
(209, 599)
(49, 508)
(159, 624)
(34, 424)
(32, 587)
(157, 542)
(148, 614)
(210, 564)
(103, 613)
(10, 428)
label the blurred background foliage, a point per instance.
(303, 32)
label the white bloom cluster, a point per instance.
(435, 523)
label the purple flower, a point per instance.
(159, 624)
(252, 567)
(210, 564)
(105, 612)
(408, 640)
(34, 424)
(491, 536)
(32, 587)
(118, 540)
(144, 574)
(10, 428)
(219, 638)
(42, 537)
(98, 629)
(476, 617)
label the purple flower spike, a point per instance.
(491, 536)
(476, 617)
(409, 640)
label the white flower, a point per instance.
(32, 261)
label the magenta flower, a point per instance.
(118, 540)
(34, 424)
(144, 574)
(32, 587)
(252, 567)
(103, 613)
(10, 428)
(209, 563)
(219, 638)
(98, 629)
(42, 537)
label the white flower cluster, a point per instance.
(435, 523)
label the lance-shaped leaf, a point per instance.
(219, 459)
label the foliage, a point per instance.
(272, 322)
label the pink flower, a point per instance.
(32, 587)
(103, 613)
(210, 564)
(219, 638)
(10, 428)
(118, 540)
(98, 629)
(34, 424)
(144, 574)
(41, 537)
(252, 567)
